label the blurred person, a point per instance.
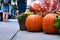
(21, 4)
(5, 8)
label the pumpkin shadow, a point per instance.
(53, 34)
(36, 31)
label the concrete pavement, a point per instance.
(25, 35)
(8, 29)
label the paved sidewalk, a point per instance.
(8, 29)
(25, 35)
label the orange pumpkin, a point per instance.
(35, 6)
(33, 23)
(48, 24)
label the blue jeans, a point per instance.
(22, 7)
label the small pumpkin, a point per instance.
(35, 6)
(34, 23)
(48, 24)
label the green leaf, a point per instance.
(57, 25)
(23, 16)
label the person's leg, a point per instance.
(6, 16)
(3, 16)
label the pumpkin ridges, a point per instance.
(40, 22)
(53, 20)
(44, 22)
(48, 23)
(32, 24)
(29, 23)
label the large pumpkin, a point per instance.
(33, 23)
(48, 24)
